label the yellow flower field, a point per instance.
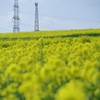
(45, 68)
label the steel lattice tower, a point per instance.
(16, 18)
(36, 26)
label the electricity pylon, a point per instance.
(36, 26)
(16, 18)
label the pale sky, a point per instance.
(53, 14)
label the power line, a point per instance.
(31, 13)
(6, 11)
(5, 29)
(89, 20)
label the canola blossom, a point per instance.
(46, 68)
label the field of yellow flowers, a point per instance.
(45, 68)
